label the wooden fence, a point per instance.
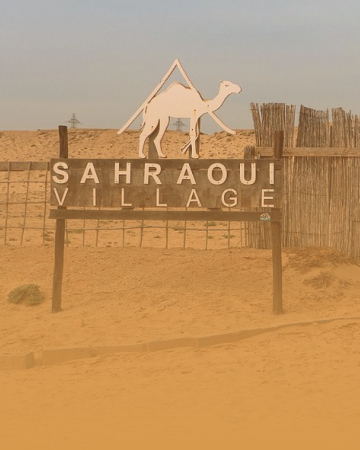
(321, 201)
(321, 194)
(271, 117)
(321, 207)
(24, 219)
(315, 128)
(345, 129)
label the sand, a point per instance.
(295, 386)
(41, 145)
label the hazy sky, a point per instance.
(102, 58)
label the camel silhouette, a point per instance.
(181, 102)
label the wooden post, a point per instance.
(59, 236)
(278, 144)
(276, 239)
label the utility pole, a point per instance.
(73, 121)
(179, 124)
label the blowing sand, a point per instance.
(291, 387)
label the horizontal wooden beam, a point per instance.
(310, 151)
(131, 214)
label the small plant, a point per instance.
(28, 293)
(324, 279)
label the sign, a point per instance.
(178, 101)
(138, 183)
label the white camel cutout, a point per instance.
(180, 102)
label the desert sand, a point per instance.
(293, 386)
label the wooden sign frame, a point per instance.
(61, 214)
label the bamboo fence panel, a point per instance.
(344, 209)
(321, 203)
(353, 243)
(316, 130)
(345, 129)
(338, 128)
(257, 124)
(313, 128)
(289, 134)
(305, 202)
(271, 117)
(356, 131)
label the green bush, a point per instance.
(28, 293)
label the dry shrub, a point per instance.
(306, 258)
(28, 293)
(323, 280)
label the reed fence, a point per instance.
(315, 128)
(345, 129)
(271, 117)
(321, 192)
(321, 205)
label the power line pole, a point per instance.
(179, 124)
(73, 121)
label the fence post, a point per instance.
(276, 239)
(59, 236)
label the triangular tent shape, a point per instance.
(175, 64)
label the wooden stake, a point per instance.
(277, 267)
(276, 240)
(59, 236)
(278, 144)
